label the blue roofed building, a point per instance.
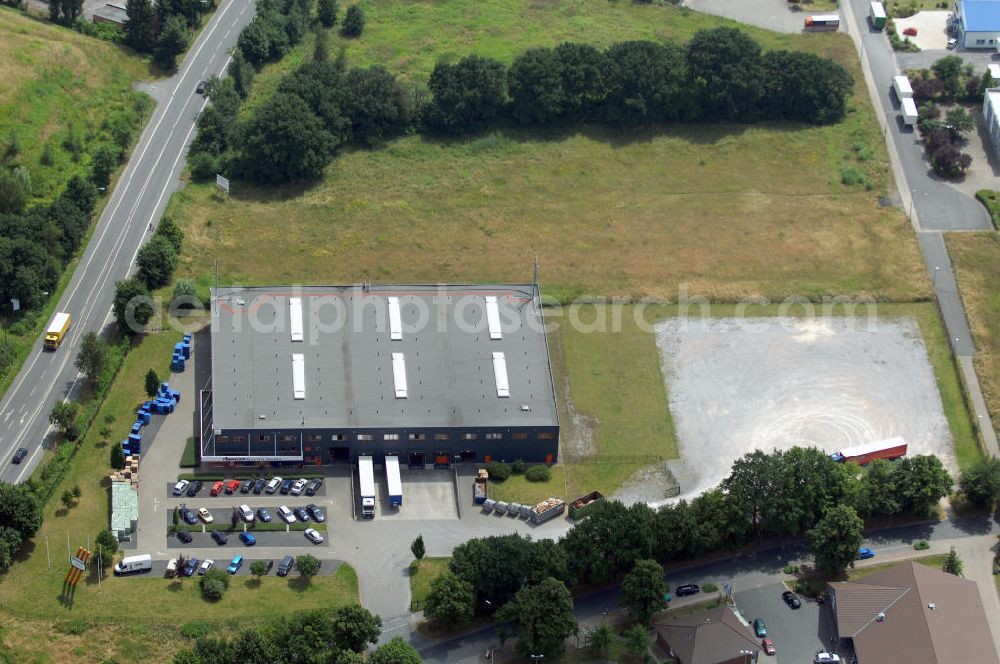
(978, 23)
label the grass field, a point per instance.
(936, 561)
(422, 573)
(729, 211)
(519, 490)
(613, 401)
(976, 258)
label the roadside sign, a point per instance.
(15, 304)
(727, 589)
(77, 563)
(222, 183)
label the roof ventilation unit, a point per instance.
(500, 374)
(395, 321)
(399, 375)
(295, 316)
(493, 317)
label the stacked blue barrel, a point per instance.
(182, 353)
(164, 403)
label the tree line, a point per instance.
(720, 75)
(304, 638)
(777, 494)
(162, 28)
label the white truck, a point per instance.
(393, 482)
(901, 85)
(909, 109)
(132, 564)
(366, 475)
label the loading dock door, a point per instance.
(416, 460)
(442, 460)
(340, 455)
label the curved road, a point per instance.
(138, 199)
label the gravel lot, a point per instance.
(736, 385)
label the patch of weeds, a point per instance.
(195, 629)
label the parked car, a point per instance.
(285, 566)
(264, 515)
(232, 486)
(759, 628)
(194, 488)
(217, 488)
(864, 553)
(184, 536)
(205, 515)
(273, 484)
(298, 487)
(246, 513)
(286, 514)
(172, 568)
(791, 599)
(286, 486)
(180, 487)
(190, 567)
(910, 32)
(301, 514)
(246, 486)
(316, 513)
(826, 658)
(235, 564)
(314, 536)
(768, 646)
(187, 515)
(248, 538)
(313, 486)
(219, 537)
(687, 589)
(952, 43)
(205, 566)
(258, 486)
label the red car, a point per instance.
(232, 486)
(217, 488)
(768, 646)
(910, 32)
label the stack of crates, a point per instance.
(166, 399)
(132, 446)
(182, 353)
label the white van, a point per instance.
(132, 564)
(172, 568)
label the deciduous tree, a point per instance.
(93, 356)
(981, 482)
(953, 564)
(725, 71)
(542, 616)
(835, 539)
(63, 417)
(285, 141)
(643, 590)
(355, 627)
(156, 260)
(326, 11)
(450, 600)
(396, 651)
(354, 22)
(132, 304)
(172, 42)
(307, 566)
(467, 95)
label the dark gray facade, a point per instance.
(432, 389)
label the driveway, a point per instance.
(776, 15)
(932, 29)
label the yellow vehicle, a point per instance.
(57, 330)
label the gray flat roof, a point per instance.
(348, 378)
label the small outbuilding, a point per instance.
(112, 12)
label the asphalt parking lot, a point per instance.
(797, 633)
(326, 568)
(270, 538)
(206, 493)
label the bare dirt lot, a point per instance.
(773, 383)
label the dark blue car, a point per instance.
(286, 486)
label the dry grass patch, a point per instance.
(976, 257)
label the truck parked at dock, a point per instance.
(480, 487)
(366, 485)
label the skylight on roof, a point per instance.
(295, 316)
(500, 374)
(298, 375)
(395, 321)
(399, 375)
(493, 317)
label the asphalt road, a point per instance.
(138, 199)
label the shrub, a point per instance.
(214, 584)
(518, 467)
(538, 474)
(922, 545)
(791, 569)
(195, 629)
(354, 22)
(710, 588)
(498, 470)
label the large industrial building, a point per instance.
(324, 374)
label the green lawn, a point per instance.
(422, 573)
(519, 490)
(976, 258)
(615, 388)
(724, 211)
